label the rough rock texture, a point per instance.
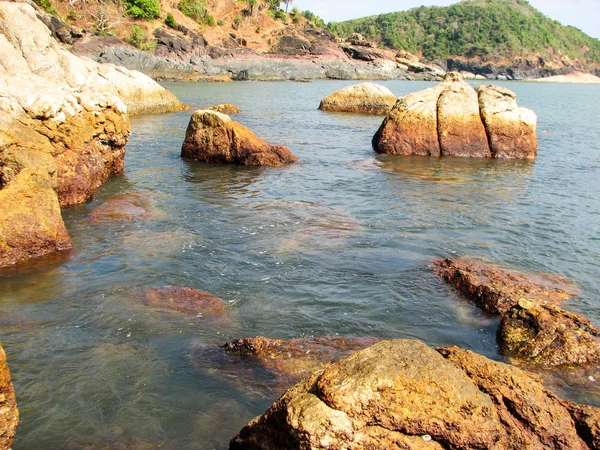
(511, 129)
(367, 98)
(497, 290)
(9, 415)
(214, 137)
(31, 224)
(548, 335)
(225, 108)
(453, 119)
(27, 48)
(403, 394)
(185, 300)
(296, 357)
(587, 419)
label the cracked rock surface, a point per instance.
(404, 394)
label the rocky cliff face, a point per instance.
(9, 415)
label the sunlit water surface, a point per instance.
(338, 244)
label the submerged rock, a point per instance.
(214, 137)
(453, 119)
(403, 394)
(9, 414)
(497, 290)
(366, 98)
(126, 206)
(225, 108)
(547, 335)
(184, 299)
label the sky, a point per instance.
(583, 14)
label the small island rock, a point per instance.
(496, 290)
(453, 119)
(213, 137)
(547, 335)
(403, 394)
(366, 98)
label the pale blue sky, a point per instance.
(583, 14)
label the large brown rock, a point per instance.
(9, 414)
(452, 119)
(214, 137)
(366, 98)
(496, 290)
(225, 108)
(511, 128)
(547, 335)
(403, 394)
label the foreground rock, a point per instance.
(496, 290)
(547, 335)
(452, 119)
(225, 108)
(213, 137)
(366, 98)
(403, 394)
(185, 300)
(9, 415)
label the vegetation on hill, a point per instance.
(489, 29)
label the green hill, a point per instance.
(488, 30)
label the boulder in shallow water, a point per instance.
(453, 119)
(403, 394)
(547, 335)
(225, 108)
(366, 98)
(184, 299)
(9, 414)
(215, 138)
(496, 290)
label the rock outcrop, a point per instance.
(496, 290)
(366, 98)
(9, 414)
(547, 335)
(453, 119)
(213, 137)
(225, 108)
(403, 394)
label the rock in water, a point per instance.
(452, 119)
(185, 300)
(9, 414)
(366, 98)
(548, 335)
(511, 128)
(403, 394)
(496, 290)
(225, 108)
(213, 137)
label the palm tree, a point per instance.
(287, 4)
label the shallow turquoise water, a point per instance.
(337, 244)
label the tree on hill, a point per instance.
(287, 4)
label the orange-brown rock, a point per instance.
(403, 394)
(460, 129)
(214, 137)
(126, 206)
(185, 300)
(296, 358)
(545, 334)
(9, 414)
(366, 98)
(511, 129)
(452, 119)
(31, 224)
(411, 126)
(587, 419)
(225, 108)
(497, 290)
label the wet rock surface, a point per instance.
(366, 98)
(9, 414)
(213, 137)
(453, 119)
(126, 206)
(496, 290)
(403, 394)
(225, 108)
(547, 335)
